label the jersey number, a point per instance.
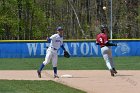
(101, 40)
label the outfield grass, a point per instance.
(73, 63)
(26, 86)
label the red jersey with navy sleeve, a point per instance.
(102, 39)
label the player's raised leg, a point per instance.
(40, 69)
(47, 60)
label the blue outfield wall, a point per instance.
(77, 49)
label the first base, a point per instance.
(66, 76)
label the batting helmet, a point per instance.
(59, 28)
(103, 27)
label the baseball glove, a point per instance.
(66, 54)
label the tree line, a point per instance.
(81, 19)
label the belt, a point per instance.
(102, 46)
(54, 48)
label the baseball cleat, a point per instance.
(39, 73)
(115, 71)
(112, 73)
(56, 76)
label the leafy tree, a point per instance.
(37, 19)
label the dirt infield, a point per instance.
(92, 81)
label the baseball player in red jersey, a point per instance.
(102, 40)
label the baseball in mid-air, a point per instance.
(104, 8)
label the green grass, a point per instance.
(25, 86)
(73, 63)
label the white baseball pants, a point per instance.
(51, 54)
(107, 55)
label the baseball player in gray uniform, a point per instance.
(103, 41)
(56, 41)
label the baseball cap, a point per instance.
(59, 28)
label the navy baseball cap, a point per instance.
(59, 28)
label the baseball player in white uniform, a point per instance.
(56, 41)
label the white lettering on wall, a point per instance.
(84, 48)
(95, 47)
(77, 49)
(43, 48)
(32, 47)
(74, 45)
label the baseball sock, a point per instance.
(55, 70)
(41, 67)
(108, 65)
(112, 63)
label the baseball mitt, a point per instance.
(66, 54)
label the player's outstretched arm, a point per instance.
(62, 46)
(110, 44)
(66, 54)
